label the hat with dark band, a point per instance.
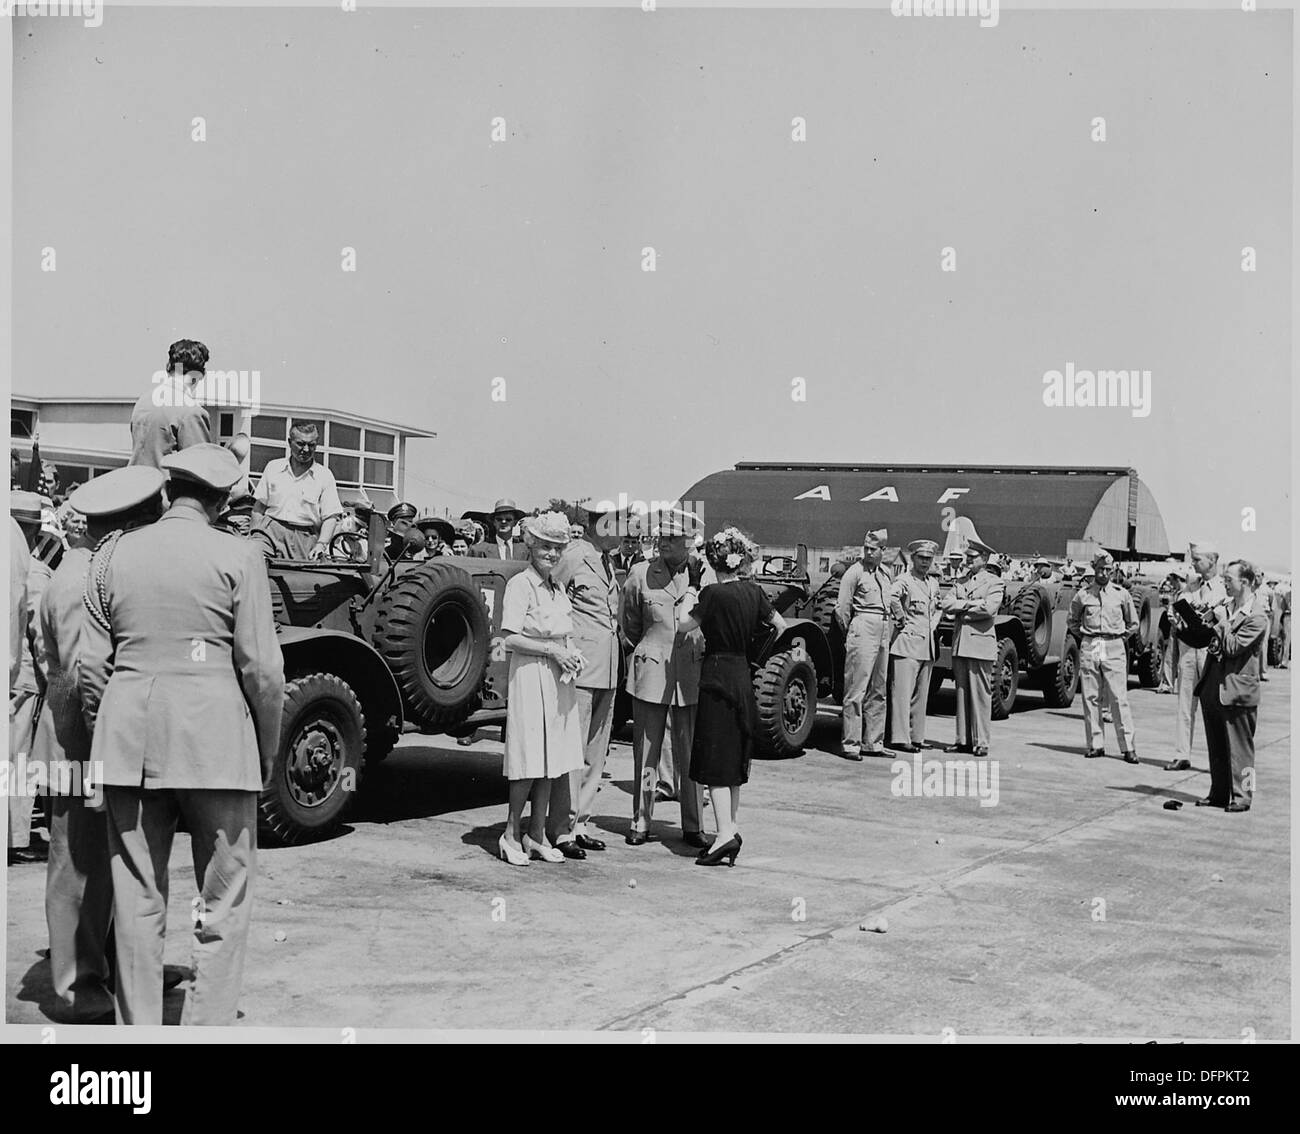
(446, 532)
(401, 511)
(506, 505)
(25, 507)
(208, 464)
(117, 491)
(672, 526)
(979, 548)
(923, 547)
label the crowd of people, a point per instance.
(148, 661)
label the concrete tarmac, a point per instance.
(1076, 907)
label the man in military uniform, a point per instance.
(973, 602)
(27, 690)
(1103, 617)
(78, 885)
(862, 612)
(1044, 571)
(663, 679)
(182, 687)
(587, 576)
(914, 604)
(170, 416)
(1204, 591)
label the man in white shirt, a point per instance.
(501, 543)
(296, 506)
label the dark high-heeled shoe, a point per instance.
(727, 851)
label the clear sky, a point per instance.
(775, 259)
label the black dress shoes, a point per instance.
(1178, 766)
(586, 842)
(909, 748)
(695, 839)
(966, 748)
(635, 838)
(1094, 754)
(850, 754)
(980, 753)
(1237, 807)
(571, 850)
(1208, 802)
(1131, 757)
(875, 753)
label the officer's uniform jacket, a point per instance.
(31, 673)
(665, 664)
(975, 601)
(61, 731)
(159, 430)
(1233, 666)
(914, 604)
(189, 683)
(596, 600)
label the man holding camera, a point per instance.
(1204, 591)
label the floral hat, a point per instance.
(549, 527)
(730, 548)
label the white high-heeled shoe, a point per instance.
(539, 850)
(509, 854)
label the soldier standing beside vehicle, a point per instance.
(863, 615)
(914, 604)
(182, 688)
(296, 506)
(974, 602)
(663, 678)
(587, 576)
(78, 884)
(1103, 617)
(1204, 591)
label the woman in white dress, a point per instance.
(543, 735)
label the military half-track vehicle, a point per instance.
(370, 648)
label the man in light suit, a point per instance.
(1204, 591)
(974, 602)
(182, 687)
(587, 576)
(171, 417)
(1229, 691)
(863, 614)
(78, 884)
(503, 544)
(663, 679)
(914, 604)
(27, 690)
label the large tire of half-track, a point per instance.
(432, 629)
(1061, 682)
(1033, 607)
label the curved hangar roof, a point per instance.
(1019, 510)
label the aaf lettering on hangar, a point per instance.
(889, 493)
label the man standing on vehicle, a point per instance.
(914, 604)
(974, 602)
(663, 678)
(1103, 617)
(587, 576)
(182, 688)
(1204, 591)
(863, 616)
(171, 416)
(296, 506)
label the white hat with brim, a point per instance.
(211, 465)
(117, 491)
(549, 527)
(25, 507)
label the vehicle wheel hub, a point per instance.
(316, 756)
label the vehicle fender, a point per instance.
(801, 633)
(310, 650)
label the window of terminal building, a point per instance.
(22, 423)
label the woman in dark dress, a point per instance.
(729, 613)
